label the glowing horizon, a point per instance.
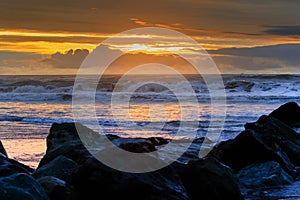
(34, 41)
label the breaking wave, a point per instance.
(237, 87)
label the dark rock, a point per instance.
(283, 192)
(264, 175)
(94, 178)
(288, 113)
(97, 180)
(55, 188)
(60, 134)
(9, 166)
(65, 133)
(21, 186)
(60, 167)
(112, 137)
(208, 179)
(272, 130)
(72, 150)
(243, 85)
(63, 139)
(268, 139)
(67, 97)
(2, 149)
(138, 147)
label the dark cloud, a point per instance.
(288, 52)
(260, 58)
(69, 59)
(242, 64)
(243, 34)
(89, 16)
(113, 16)
(283, 30)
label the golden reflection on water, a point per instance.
(154, 112)
(25, 141)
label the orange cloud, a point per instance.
(140, 22)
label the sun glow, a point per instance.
(146, 49)
(157, 48)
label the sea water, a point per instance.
(30, 104)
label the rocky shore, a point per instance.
(265, 155)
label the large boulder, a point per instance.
(61, 167)
(60, 134)
(140, 145)
(94, 180)
(71, 150)
(268, 139)
(273, 132)
(55, 188)
(64, 139)
(209, 179)
(21, 186)
(9, 166)
(266, 174)
(288, 113)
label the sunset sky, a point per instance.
(53, 37)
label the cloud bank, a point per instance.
(283, 30)
(69, 59)
(278, 58)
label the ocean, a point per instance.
(30, 104)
